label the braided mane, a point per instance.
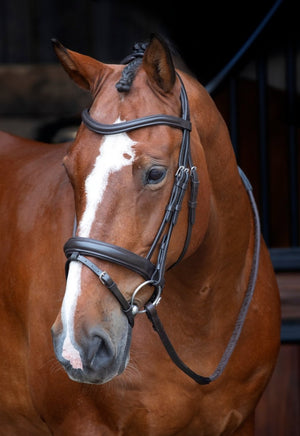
(133, 61)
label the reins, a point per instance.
(77, 248)
(158, 327)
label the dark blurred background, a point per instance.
(206, 33)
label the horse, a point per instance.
(168, 322)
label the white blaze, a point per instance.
(115, 153)
(68, 310)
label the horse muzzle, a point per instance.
(97, 356)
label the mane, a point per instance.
(133, 61)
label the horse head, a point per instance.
(123, 183)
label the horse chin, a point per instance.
(91, 377)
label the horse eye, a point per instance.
(155, 175)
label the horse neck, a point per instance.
(219, 268)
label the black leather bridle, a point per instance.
(77, 248)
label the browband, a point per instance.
(125, 126)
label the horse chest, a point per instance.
(163, 410)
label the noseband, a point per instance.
(77, 248)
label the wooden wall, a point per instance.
(278, 413)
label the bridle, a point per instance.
(77, 248)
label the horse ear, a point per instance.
(84, 70)
(158, 64)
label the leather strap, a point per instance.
(111, 253)
(158, 327)
(106, 280)
(126, 126)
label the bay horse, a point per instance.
(164, 227)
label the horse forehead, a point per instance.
(142, 99)
(115, 152)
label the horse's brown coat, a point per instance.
(203, 293)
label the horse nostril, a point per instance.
(100, 351)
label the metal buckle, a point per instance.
(101, 278)
(179, 170)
